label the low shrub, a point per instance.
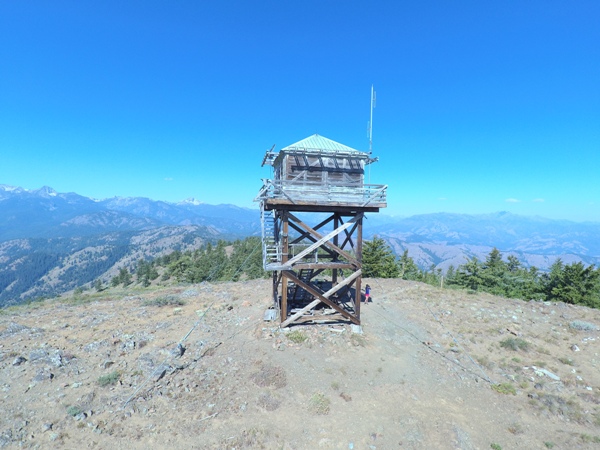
(297, 337)
(504, 388)
(582, 326)
(166, 300)
(109, 379)
(319, 404)
(515, 344)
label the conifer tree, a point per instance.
(378, 260)
(407, 269)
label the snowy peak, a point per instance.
(7, 191)
(45, 191)
(7, 188)
(190, 201)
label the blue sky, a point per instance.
(481, 106)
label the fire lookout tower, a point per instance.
(317, 269)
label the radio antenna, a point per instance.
(370, 127)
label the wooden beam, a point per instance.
(349, 236)
(320, 242)
(320, 297)
(321, 318)
(284, 257)
(324, 240)
(303, 233)
(300, 206)
(306, 235)
(358, 293)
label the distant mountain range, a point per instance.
(45, 213)
(444, 239)
(52, 242)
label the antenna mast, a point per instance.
(370, 127)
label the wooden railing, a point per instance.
(302, 192)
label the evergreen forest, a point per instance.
(572, 283)
(222, 261)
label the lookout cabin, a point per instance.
(317, 173)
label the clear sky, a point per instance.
(481, 106)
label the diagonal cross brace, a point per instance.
(303, 253)
(321, 297)
(374, 195)
(325, 240)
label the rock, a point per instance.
(575, 348)
(47, 427)
(270, 315)
(178, 351)
(19, 360)
(107, 364)
(43, 375)
(160, 373)
(547, 373)
(357, 329)
(14, 328)
(38, 355)
(56, 358)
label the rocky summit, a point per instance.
(198, 367)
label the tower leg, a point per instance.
(358, 287)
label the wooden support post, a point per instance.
(358, 286)
(275, 290)
(284, 259)
(336, 224)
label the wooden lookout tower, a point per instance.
(316, 268)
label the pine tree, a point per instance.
(576, 284)
(407, 269)
(469, 275)
(378, 260)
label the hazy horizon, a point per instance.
(383, 212)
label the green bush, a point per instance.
(297, 337)
(73, 410)
(504, 388)
(111, 378)
(166, 300)
(515, 344)
(319, 404)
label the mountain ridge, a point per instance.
(42, 227)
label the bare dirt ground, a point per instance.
(433, 369)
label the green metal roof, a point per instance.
(320, 144)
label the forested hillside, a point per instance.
(574, 283)
(36, 268)
(220, 262)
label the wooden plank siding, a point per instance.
(301, 168)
